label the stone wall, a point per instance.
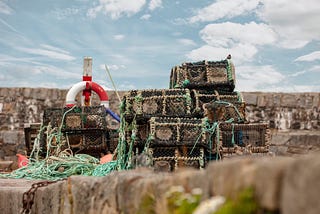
(284, 111)
(279, 185)
(21, 106)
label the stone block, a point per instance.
(308, 101)
(276, 99)
(250, 98)
(50, 199)
(301, 182)
(228, 178)
(11, 191)
(27, 92)
(11, 137)
(289, 100)
(269, 176)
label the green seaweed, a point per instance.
(181, 202)
(147, 205)
(245, 203)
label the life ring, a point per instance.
(80, 86)
(88, 85)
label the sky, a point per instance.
(275, 44)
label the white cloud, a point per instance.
(145, 17)
(116, 8)
(187, 42)
(257, 78)
(52, 48)
(119, 37)
(228, 34)
(293, 88)
(8, 25)
(153, 4)
(315, 68)
(239, 52)
(239, 40)
(309, 57)
(295, 21)
(48, 51)
(297, 73)
(5, 9)
(65, 12)
(113, 67)
(224, 9)
(125, 86)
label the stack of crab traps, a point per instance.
(198, 119)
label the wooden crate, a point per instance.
(209, 75)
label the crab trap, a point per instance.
(244, 138)
(84, 129)
(202, 97)
(209, 75)
(143, 104)
(174, 157)
(220, 111)
(165, 131)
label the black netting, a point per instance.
(243, 135)
(159, 152)
(151, 103)
(191, 133)
(176, 106)
(189, 163)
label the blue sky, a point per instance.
(275, 44)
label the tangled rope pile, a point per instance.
(59, 163)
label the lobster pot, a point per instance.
(179, 131)
(31, 132)
(113, 140)
(84, 118)
(77, 118)
(138, 135)
(209, 75)
(83, 128)
(172, 158)
(201, 97)
(92, 142)
(53, 116)
(143, 104)
(248, 138)
(223, 111)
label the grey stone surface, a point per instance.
(289, 185)
(268, 180)
(11, 191)
(301, 185)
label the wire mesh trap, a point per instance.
(209, 75)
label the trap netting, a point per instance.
(82, 129)
(209, 75)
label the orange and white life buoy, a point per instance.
(87, 85)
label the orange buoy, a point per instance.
(22, 160)
(105, 159)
